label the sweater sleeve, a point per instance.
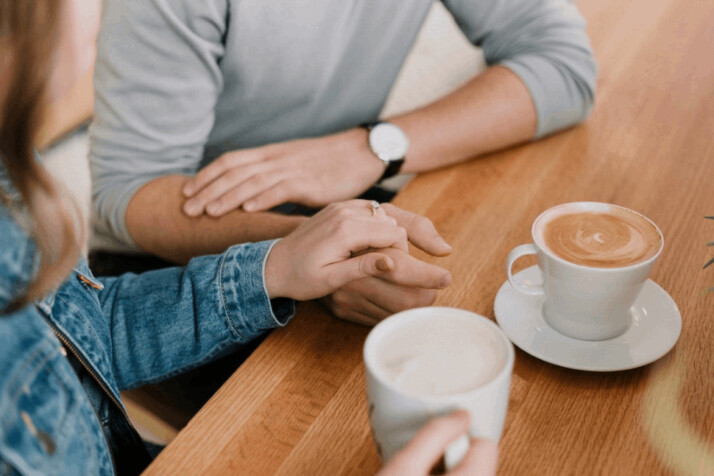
(157, 80)
(544, 43)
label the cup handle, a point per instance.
(455, 452)
(517, 252)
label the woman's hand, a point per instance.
(428, 446)
(317, 258)
(313, 172)
(412, 283)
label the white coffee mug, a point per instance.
(583, 302)
(396, 416)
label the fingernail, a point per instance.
(445, 281)
(249, 206)
(443, 242)
(187, 190)
(191, 208)
(213, 208)
(383, 265)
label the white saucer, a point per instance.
(654, 330)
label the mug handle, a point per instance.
(517, 252)
(456, 451)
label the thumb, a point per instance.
(370, 264)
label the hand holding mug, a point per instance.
(431, 442)
(429, 362)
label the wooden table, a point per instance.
(297, 406)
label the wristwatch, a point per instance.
(389, 143)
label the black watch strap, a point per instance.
(370, 124)
(394, 166)
(392, 169)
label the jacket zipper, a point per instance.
(90, 371)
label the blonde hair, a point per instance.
(28, 35)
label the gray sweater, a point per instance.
(178, 82)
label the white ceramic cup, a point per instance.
(396, 416)
(584, 302)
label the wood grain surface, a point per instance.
(297, 406)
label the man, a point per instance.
(276, 102)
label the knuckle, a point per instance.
(403, 305)
(344, 226)
(413, 301)
(420, 298)
(341, 207)
(224, 161)
(402, 233)
(332, 281)
(232, 175)
(426, 297)
(340, 298)
(332, 207)
(365, 265)
(257, 180)
(422, 224)
(344, 211)
(441, 424)
(388, 208)
(409, 217)
(339, 311)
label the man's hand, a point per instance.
(312, 172)
(412, 283)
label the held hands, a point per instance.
(323, 254)
(312, 172)
(427, 446)
(412, 283)
(315, 172)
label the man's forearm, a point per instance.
(157, 224)
(492, 111)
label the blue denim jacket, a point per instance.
(126, 332)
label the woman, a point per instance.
(71, 341)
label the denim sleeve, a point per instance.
(17, 259)
(167, 321)
(544, 43)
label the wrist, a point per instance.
(368, 165)
(274, 272)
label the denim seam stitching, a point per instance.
(90, 362)
(221, 265)
(264, 290)
(39, 358)
(29, 365)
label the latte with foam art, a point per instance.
(598, 235)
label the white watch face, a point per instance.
(388, 142)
